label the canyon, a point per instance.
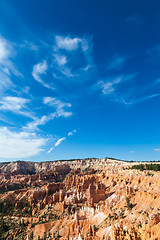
(79, 199)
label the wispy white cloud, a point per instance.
(62, 113)
(5, 119)
(71, 133)
(58, 105)
(19, 144)
(67, 72)
(59, 141)
(109, 86)
(5, 81)
(41, 69)
(16, 105)
(31, 126)
(59, 112)
(157, 149)
(157, 81)
(113, 87)
(55, 102)
(67, 43)
(7, 67)
(87, 68)
(6, 53)
(56, 77)
(50, 150)
(13, 103)
(70, 44)
(84, 44)
(5, 49)
(26, 89)
(154, 54)
(137, 100)
(61, 60)
(132, 152)
(29, 45)
(66, 52)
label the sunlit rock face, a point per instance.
(80, 199)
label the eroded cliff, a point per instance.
(81, 199)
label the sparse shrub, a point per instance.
(139, 225)
(109, 215)
(95, 228)
(121, 214)
(31, 235)
(129, 204)
(115, 216)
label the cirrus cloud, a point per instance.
(19, 144)
(67, 43)
(157, 149)
(40, 69)
(16, 105)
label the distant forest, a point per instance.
(151, 166)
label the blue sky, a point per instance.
(79, 79)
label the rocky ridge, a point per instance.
(81, 199)
(26, 167)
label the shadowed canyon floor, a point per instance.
(79, 199)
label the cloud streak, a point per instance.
(41, 69)
(59, 112)
(31, 126)
(16, 105)
(109, 86)
(71, 133)
(19, 144)
(157, 149)
(138, 100)
(53, 102)
(60, 140)
(7, 68)
(59, 106)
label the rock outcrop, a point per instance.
(79, 200)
